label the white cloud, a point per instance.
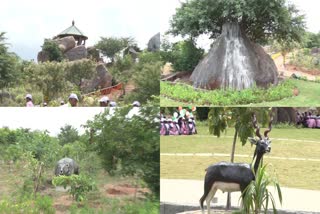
(51, 119)
(29, 22)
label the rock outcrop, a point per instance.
(76, 53)
(102, 79)
(65, 44)
(235, 62)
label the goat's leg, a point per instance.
(210, 197)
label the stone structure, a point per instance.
(102, 79)
(235, 62)
(71, 42)
(76, 53)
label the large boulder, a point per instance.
(66, 43)
(102, 79)
(43, 56)
(76, 53)
(66, 166)
(235, 62)
(154, 43)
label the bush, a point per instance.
(184, 55)
(53, 51)
(80, 185)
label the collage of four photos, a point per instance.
(160, 107)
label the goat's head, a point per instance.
(263, 144)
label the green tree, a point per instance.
(68, 134)
(48, 78)
(241, 119)
(53, 50)
(8, 64)
(129, 146)
(109, 46)
(261, 20)
(146, 79)
(79, 70)
(186, 55)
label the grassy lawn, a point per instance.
(291, 173)
(309, 96)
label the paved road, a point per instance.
(188, 192)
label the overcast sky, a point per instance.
(27, 23)
(51, 119)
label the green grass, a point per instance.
(281, 96)
(292, 173)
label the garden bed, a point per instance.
(185, 93)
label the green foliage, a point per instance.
(80, 185)
(122, 68)
(109, 46)
(259, 19)
(68, 134)
(188, 94)
(44, 204)
(146, 80)
(80, 69)
(312, 40)
(52, 49)
(257, 197)
(148, 207)
(304, 59)
(8, 64)
(129, 146)
(48, 77)
(183, 55)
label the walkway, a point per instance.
(188, 192)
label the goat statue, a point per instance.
(232, 177)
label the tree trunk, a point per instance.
(232, 160)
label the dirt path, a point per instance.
(289, 70)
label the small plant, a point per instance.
(80, 185)
(256, 197)
(44, 204)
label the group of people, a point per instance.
(308, 120)
(73, 102)
(181, 123)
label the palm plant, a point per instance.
(256, 197)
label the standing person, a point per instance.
(73, 100)
(104, 101)
(29, 100)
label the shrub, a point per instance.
(80, 185)
(53, 51)
(256, 197)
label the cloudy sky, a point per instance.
(27, 23)
(51, 119)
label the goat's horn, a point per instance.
(270, 127)
(255, 125)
